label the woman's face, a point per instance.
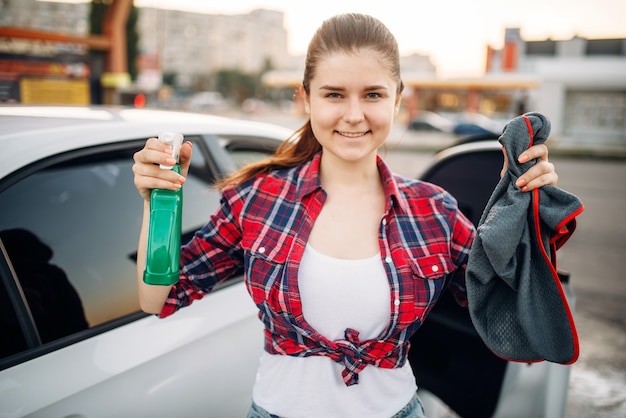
(351, 104)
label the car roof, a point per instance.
(29, 133)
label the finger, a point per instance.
(185, 151)
(185, 157)
(540, 174)
(149, 183)
(544, 180)
(505, 165)
(154, 152)
(152, 172)
(145, 185)
(535, 152)
(155, 144)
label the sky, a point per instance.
(454, 33)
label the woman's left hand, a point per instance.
(540, 174)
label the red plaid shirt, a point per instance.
(262, 227)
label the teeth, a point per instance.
(352, 134)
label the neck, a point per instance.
(349, 177)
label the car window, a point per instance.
(244, 150)
(71, 229)
(13, 339)
(243, 157)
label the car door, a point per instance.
(74, 342)
(448, 356)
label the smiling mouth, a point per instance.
(352, 134)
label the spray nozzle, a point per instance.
(174, 140)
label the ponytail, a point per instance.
(296, 150)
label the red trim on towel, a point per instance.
(565, 229)
(551, 261)
(530, 131)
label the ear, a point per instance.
(398, 103)
(306, 99)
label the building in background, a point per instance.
(43, 71)
(71, 18)
(581, 86)
(176, 47)
(194, 45)
(186, 46)
(579, 83)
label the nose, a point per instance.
(354, 111)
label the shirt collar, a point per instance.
(310, 180)
(393, 197)
(310, 176)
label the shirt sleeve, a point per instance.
(213, 255)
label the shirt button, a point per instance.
(262, 250)
(396, 302)
(435, 268)
(388, 260)
(384, 221)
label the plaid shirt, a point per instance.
(262, 227)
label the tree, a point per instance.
(233, 83)
(132, 41)
(97, 13)
(170, 79)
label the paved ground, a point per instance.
(595, 257)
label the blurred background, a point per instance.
(468, 66)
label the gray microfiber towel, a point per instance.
(516, 300)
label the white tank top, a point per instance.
(336, 294)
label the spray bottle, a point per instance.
(166, 207)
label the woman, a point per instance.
(343, 258)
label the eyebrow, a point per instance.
(369, 88)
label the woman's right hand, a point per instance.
(148, 174)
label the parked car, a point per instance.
(74, 342)
(473, 123)
(427, 121)
(207, 101)
(457, 124)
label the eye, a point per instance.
(373, 95)
(333, 95)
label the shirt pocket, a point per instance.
(430, 273)
(432, 267)
(265, 262)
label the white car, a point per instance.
(73, 340)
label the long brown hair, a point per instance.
(348, 32)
